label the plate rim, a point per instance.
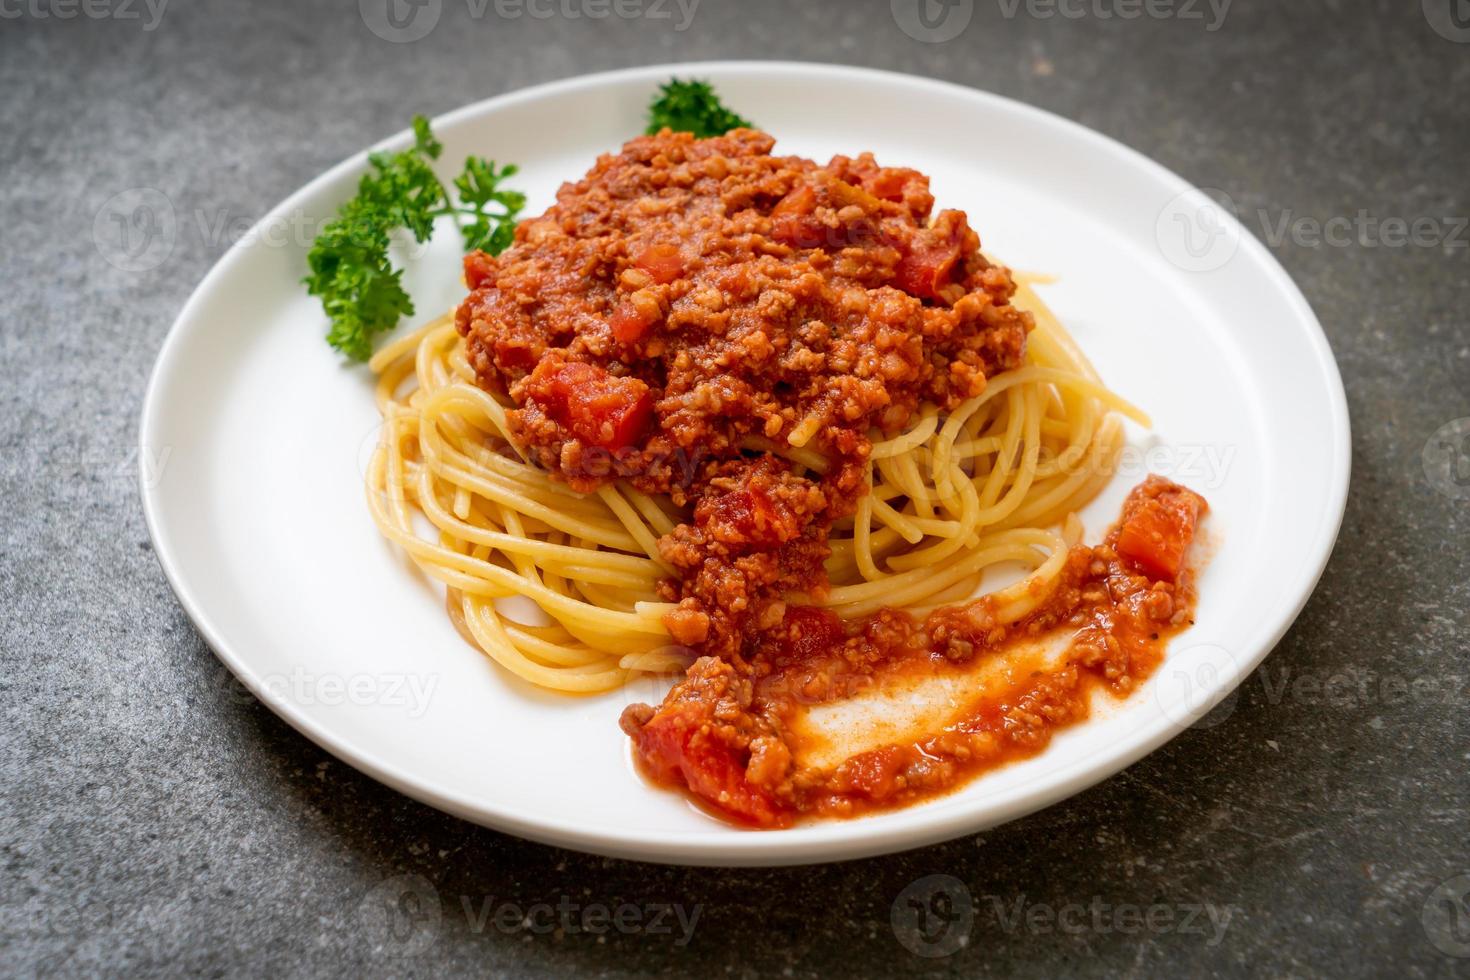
(813, 843)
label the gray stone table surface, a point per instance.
(154, 819)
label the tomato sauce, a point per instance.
(732, 738)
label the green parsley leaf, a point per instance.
(479, 187)
(692, 107)
(349, 269)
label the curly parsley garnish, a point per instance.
(360, 290)
(692, 107)
(363, 294)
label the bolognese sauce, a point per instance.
(689, 296)
(691, 304)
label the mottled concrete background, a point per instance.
(156, 820)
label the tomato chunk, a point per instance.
(889, 182)
(927, 267)
(674, 745)
(661, 261)
(596, 407)
(745, 517)
(876, 774)
(801, 200)
(479, 269)
(1159, 520)
(628, 324)
(812, 632)
(792, 220)
(514, 352)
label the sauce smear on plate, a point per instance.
(735, 740)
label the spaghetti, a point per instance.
(560, 587)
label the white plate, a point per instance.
(255, 434)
